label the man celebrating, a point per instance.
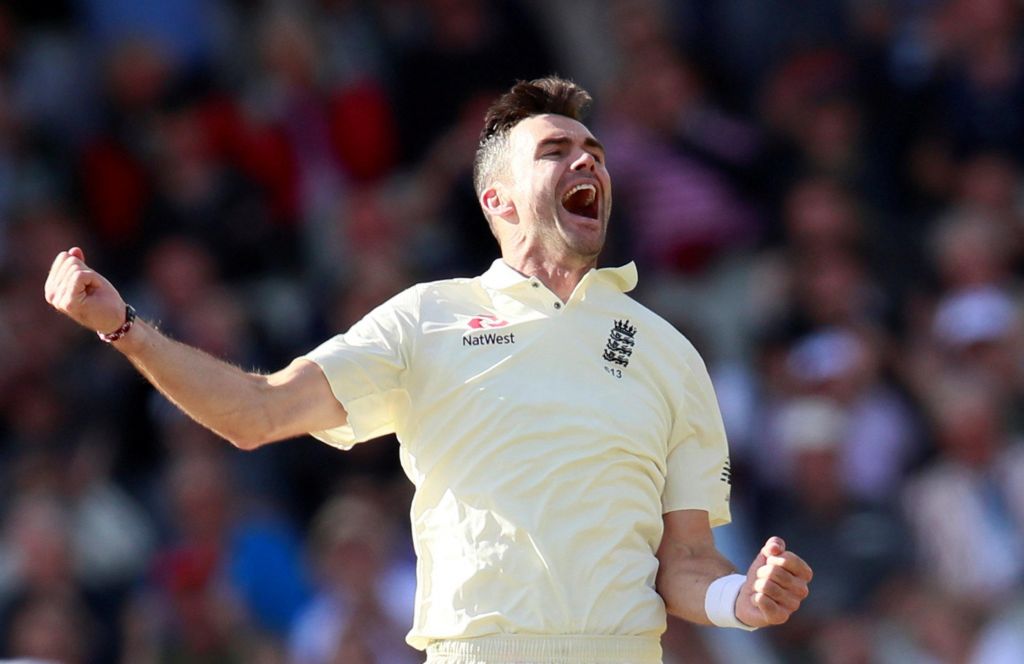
(565, 442)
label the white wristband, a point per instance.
(720, 601)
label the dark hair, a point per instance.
(525, 99)
(528, 98)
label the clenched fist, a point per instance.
(83, 294)
(776, 584)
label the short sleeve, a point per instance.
(698, 472)
(366, 369)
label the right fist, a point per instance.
(82, 294)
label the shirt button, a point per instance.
(558, 305)
(535, 284)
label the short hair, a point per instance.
(525, 99)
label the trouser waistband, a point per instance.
(523, 649)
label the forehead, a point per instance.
(537, 128)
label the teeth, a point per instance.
(591, 189)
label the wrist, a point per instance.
(120, 332)
(720, 602)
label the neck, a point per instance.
(560, 274)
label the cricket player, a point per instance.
(565, 442)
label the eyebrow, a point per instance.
(562, 141)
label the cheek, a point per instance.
(542, 186)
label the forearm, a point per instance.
(689, 563)
(684, 574)
(231, 402)
(247, 409)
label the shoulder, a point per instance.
(411, 299)
(447, 287)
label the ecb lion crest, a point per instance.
(621, 341)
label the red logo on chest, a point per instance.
(486, 322)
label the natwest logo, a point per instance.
(486, 322)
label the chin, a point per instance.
(586, 248)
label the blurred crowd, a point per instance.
(826, 196)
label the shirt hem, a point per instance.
(509, 649)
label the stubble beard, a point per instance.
(560, 236)
(583, 242)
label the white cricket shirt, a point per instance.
(545, 441)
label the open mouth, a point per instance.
(581, 200)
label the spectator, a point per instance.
(364, 605)
(44, 610)
(227, 572)
(878, 445)
(970, 493)
(856, 545)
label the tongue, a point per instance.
(581, 203)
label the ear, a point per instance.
(497, 203)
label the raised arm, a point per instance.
(689, 564)
(247, 409)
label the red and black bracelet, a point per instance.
(129, 320)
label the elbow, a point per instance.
(245, 444)
(250, 429)
(246, 441)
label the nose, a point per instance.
(584, 162)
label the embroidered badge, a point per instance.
(621, 341)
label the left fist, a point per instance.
(776, 584)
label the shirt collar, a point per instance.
(502, 277)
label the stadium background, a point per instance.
(826, 196)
